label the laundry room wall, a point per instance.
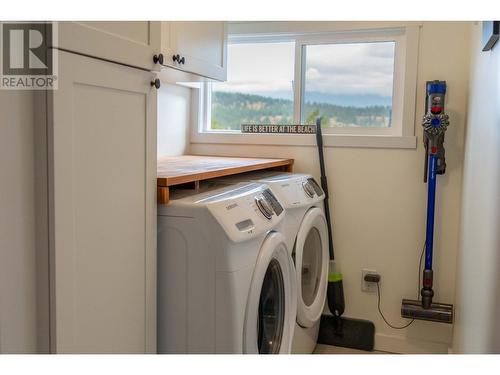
(18, 272)
(173, 119)
(378, 201)
(477, 329)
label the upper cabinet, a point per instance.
(130, 43)
(195, 50)
(195, 47)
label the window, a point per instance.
(348, 84)
(259, 86)
(361, 83)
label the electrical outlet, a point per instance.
(367, 286)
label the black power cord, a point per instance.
(418, 294)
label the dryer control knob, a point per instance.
(264, 207)
(309, 189)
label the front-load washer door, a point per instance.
(272, 300)
(311, 265)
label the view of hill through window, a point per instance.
(347, 85)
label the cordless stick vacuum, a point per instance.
(434, 123)
(335, 329)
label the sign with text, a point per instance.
(278, 129)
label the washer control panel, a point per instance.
(245, 211)
(295, 190)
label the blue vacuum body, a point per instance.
(434, 123)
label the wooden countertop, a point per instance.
(176, 170)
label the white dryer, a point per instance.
(226, 281)
(306, 233)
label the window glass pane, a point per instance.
(259, 86)
(348, 84)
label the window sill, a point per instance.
(329, 140)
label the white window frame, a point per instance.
(400, 135)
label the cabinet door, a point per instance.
(133, 43)
(102, 183)
(201, 44)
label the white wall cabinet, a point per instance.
(102, 213)
(196, 47)
(133, 43)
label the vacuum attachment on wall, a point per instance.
(335, 329)
(435, 123)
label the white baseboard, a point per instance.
(404, 345)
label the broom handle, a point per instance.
(324, 185)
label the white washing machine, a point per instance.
(306, 233)
(226, 281)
